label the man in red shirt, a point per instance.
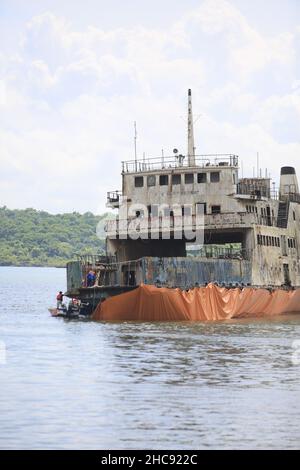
(59, 299)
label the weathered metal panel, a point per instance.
(188, 272)
(74, 275)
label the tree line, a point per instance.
(36, 238)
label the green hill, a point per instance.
(36, 238)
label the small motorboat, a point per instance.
(58, 312)
(75, 309)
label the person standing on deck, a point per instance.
(59, 299)
(91, 278)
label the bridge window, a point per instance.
(163, 180)
(201, 178)
(139, 181)
(215, 177)
(215, 209)
(176, 179)
(151, 180)
(189, 178)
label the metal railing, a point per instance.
(177, 223)
(180, 161)
(164, 223)
(90, 259)
(208, 251)
(114, 198)
(291, 197)
(256, 192)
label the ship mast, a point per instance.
(191, 145)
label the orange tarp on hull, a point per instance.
(150, 303)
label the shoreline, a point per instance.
(31, 266)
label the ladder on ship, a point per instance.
(283, 214)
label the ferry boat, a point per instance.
(185, 221)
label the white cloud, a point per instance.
(68, 99)
(248, 50)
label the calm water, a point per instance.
(71, 384)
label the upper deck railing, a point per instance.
(190, 222)
(291, 197)
(255, 191)
(180, 161)
(177, 223)
(93, 259)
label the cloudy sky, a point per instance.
(75, 75)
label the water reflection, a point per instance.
(211, 354)
(71, 384)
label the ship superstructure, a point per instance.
(249, 231)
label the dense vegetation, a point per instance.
(37, 238)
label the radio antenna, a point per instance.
(135, 152)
